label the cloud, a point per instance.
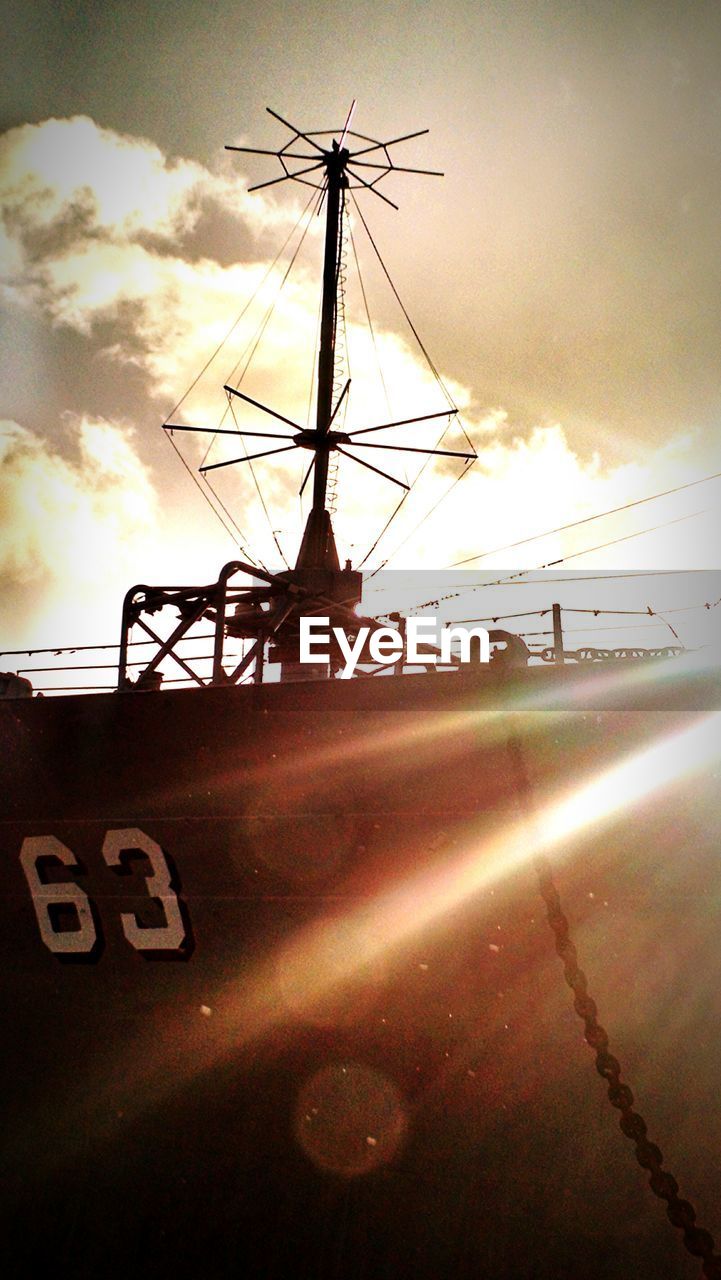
(73, 175)
(72, 178)
(72, 526)
(75, 194)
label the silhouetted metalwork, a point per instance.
(336, 166)
(271, 612)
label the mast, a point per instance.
(337, 182)
(317, 549)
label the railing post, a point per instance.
(559, 656)
(219, 637)
(125, 627)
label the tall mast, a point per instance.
(317, 549)
(337, 183)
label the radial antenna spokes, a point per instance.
(304, 439)
(297, 164)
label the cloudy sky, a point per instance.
(564, 276)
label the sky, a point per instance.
(563, 275)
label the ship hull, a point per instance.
(299, 1012)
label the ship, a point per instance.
(409, 974)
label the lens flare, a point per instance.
(349, 1119)
(313, 968)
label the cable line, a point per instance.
(574, 524)
(369, 321)
(410, 323)
(398, 299)
(428, 514)
(249, 351)
(231, 527)
(550, 564)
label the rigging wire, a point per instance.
(259, 491)
(436, 375)
(466, 468)
(249, 352)
(410, 323)
(543, 580)
(256, 560)
(246, 306)
(371, 329)
(385, 529)
(235, 533)
(379, 364)
(398, 299)
(496, 617)
(607, 576)
(113, 666)
(515, 579)
(609, 626)
(254, 341)
(574, 524)
(567, 631)
(85, 648)
(201, 489)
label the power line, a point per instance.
(601, 546)
(521, 578)
(574, 524)
(594, 577)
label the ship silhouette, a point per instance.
(281, 998)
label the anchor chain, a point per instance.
(681, 1213)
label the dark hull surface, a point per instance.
(312, 1022)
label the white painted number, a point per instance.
(170, 936)
(79, 940)
(68, 923)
